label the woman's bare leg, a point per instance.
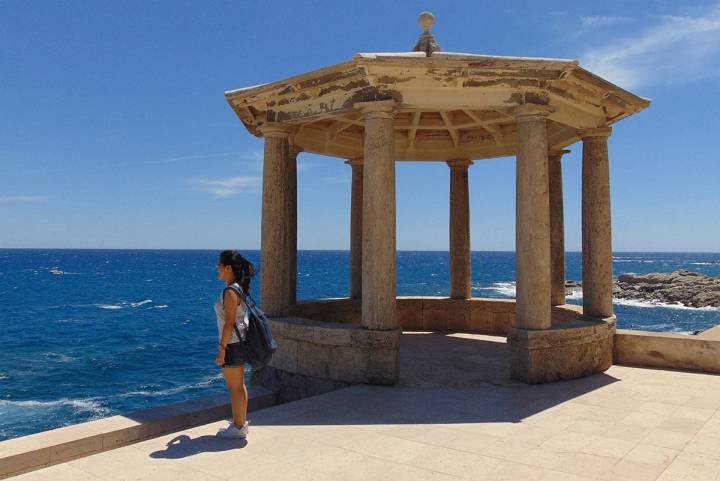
(235, 381)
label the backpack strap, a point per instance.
(236, 289)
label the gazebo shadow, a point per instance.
(445, 378)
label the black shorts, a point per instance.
(234, 355)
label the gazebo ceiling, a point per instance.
(449, 105)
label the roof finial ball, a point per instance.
(426, 43)
(426, 21)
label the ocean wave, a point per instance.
(161, 306)
(658, 304)
(59, 357)
(505, 288)
(4, 376)
(704, 263)
(173, 390)
(90, 405)
(108, 306)
(125, 304)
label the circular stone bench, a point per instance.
(323, 346)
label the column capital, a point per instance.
(600, 133)
(459, 163)
(275, 129)
(382, 109)
(294, 149)
(531, 112)
(558, 153)
(355, 162)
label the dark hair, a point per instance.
(241, 267)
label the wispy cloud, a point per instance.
(7, 199)
(227, 187)
(603, 20)
(672, 49)
(192, 157)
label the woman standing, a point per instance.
(236, 272)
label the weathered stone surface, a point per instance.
(566, 351)
(459, 256)
(275, 236)
(557, 228)
(532, 219)
(596, 235)
(378, 236)
(667, 351)
(692, 289)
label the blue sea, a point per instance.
(92, 333)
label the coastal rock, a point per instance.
(691, 289)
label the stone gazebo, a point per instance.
(426, 105)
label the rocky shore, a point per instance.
(691, 289)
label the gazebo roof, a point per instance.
(449, 105)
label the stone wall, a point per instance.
(318, 356)
(478, 314)
(668, 351)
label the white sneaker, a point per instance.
(233, 431)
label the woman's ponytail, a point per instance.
(243, 269)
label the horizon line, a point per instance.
(321, 250)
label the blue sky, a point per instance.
(114, 132)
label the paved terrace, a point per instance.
(454, 415)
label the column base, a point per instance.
(317, 356)
(568, 350)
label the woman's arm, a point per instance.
(232, 303)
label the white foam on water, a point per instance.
(656, 304)
(78, 405)
(161, 306)
(108, 306)
(59, 357)
(505, 288)
(704, 263)
(3, 376)
(141, 303)
(174, 390)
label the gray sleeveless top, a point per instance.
(241, 317)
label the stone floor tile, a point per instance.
(683, 470)
(428, 434)
(700, 414)
(568, 442)
(625, 433)
(509, 471)
(667, 439)
(543, 458)
(585, 464)
(681, 425)
(642, 420)
(625, 470)
(652, 455)
(706, 445)
(457, 463)
(59, 472)
(560, 476)
(660, 408)
(609, 447)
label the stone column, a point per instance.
(532, 220)
(275, 245)
(378, 235)
(292, 222)
(459, 229)
(356, 226)
(557, 228)
(596, 236)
